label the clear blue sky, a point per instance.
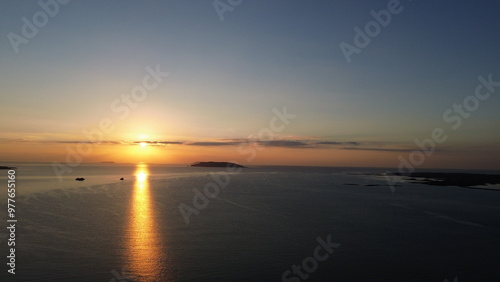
(227, 76)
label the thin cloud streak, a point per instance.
(292, 144)
(408, 150)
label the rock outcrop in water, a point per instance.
(465, 180)
(216, 164)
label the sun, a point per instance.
(142, 137)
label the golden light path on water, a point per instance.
(144, 249)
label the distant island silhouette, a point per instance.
(216, 164)
(7, 167)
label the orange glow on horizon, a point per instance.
(184, 154)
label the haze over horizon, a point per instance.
(266, 82)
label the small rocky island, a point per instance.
(216, 164)
(7, 167)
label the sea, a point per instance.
(260, 223)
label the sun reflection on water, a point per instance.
(143, 246)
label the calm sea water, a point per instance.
(259, 225)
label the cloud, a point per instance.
(283, 143)
(236, 140)
(299, 143)
(6, 140)
(168, 142)
(377, 149)
(329, 143)
(337, 143)
(159, 143)
(211, 143)
(16, 140)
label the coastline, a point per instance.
(463, 180)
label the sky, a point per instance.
(257, 82)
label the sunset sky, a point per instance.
(230, 80)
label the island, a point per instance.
(7, 167)
(216, 164)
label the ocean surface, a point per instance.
(173, 223)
